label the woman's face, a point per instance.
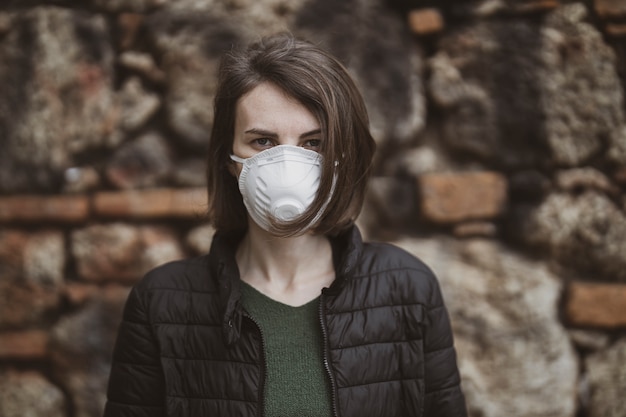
(266, 117)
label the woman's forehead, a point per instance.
(267, 107)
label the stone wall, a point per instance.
(502, 163)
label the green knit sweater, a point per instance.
(295, 380)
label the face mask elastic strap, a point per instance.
(237, 159)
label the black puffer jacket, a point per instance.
(186, 347)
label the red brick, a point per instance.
(29, 208)
(425, 21)
(616, 30)
(78, 294)
(476, 228)
(190, 203)
(596, 305)
(536, 6)
(610, 8)
(452, 198)
(29, 344)
(134, 203)
(150, 204)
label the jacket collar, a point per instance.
(346, 247)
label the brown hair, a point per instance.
(320, 83)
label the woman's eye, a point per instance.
(312, 144)
(263, 141)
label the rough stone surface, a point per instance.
(607, 379)
(36, 258)
(82, 364)
(81, 179)
(265, 16)
(589, 340)
(23, 304)
(527, 88)
(420, 160)
(56, 81)
(529, 186)
(143, 162)
(28, 394)
(126, 5)
(504, 312)
(106, 251)
(136, 105)
(161, 245)
(377, 47)
(144, 65)
(521, 92)
(583, 102)
(475, 229)
(78, 293)
(199, 238)
(121, 252)
(190, 172)
(585, 232)
(43, 258)
(31, 274)
(190, 44)
(373, 42)
(576, 180)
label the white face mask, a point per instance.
(280, 183)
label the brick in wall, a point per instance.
(150, 204)
(425, 21)
(610, 8)
(596, 305)
(456, 197)
(30, 208)
(28, 344)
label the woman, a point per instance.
(290, 314)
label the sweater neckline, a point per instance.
(253, 292)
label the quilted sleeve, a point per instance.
(136, 383)
(444, 397)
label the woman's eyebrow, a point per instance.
(311, 133)
(267, 133)
(261, 132)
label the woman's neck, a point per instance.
(290, 270)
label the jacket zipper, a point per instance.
(263, 368)
(331, 377)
